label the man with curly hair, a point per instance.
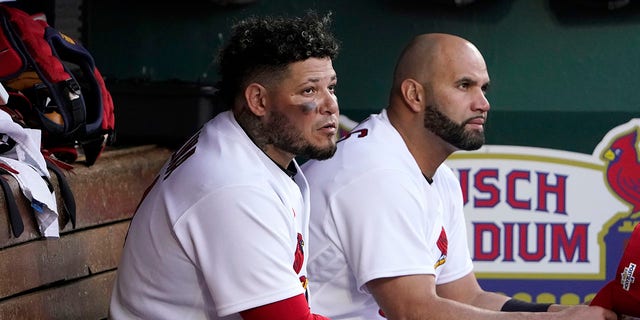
(221, 232)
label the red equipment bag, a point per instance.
(54, 84)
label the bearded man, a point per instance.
(221, 233)
(387, 228)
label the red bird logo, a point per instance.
(443, 245)
(623, 169)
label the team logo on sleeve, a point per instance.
(299, 260)
(299, 255)
(443, 245)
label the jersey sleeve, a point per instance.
(295, 308)
(245, 249)
(459, 262)
(379, 220)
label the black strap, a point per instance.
(514, 305)
(93, 148)
(68, 200)
(12, 207)
(72, 96)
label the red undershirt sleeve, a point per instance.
(294, 308)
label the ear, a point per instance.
(413, 94)
(255, 95)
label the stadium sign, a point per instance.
(548, 225)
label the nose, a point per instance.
(329, 103)
(482, 102)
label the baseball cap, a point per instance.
(622, 294)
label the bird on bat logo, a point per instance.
(443, 245)
(623, 168)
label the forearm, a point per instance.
(445, 309)
(489, 300)
(406, 298)
(414, 297)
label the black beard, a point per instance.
(282, 134)
(451, 132)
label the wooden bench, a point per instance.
(71, 277)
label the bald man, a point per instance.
(387, 234)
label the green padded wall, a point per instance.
(562, 75)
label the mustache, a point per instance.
(474, 118)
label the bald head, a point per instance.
(428, 54)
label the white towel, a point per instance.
(29, 162)
(28, 144)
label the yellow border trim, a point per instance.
(521, 157)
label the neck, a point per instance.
(428, 150)
(252, 126)
(282, 158)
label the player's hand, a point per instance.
(558, 307)
(583, 312)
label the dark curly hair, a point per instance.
(265, 46)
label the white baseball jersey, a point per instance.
(374, 215)
(218, 233)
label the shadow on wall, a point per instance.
(480, 11)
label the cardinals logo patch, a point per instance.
(443, 245)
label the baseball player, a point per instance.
(622, 294)
(388, 230)
(222, 232)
